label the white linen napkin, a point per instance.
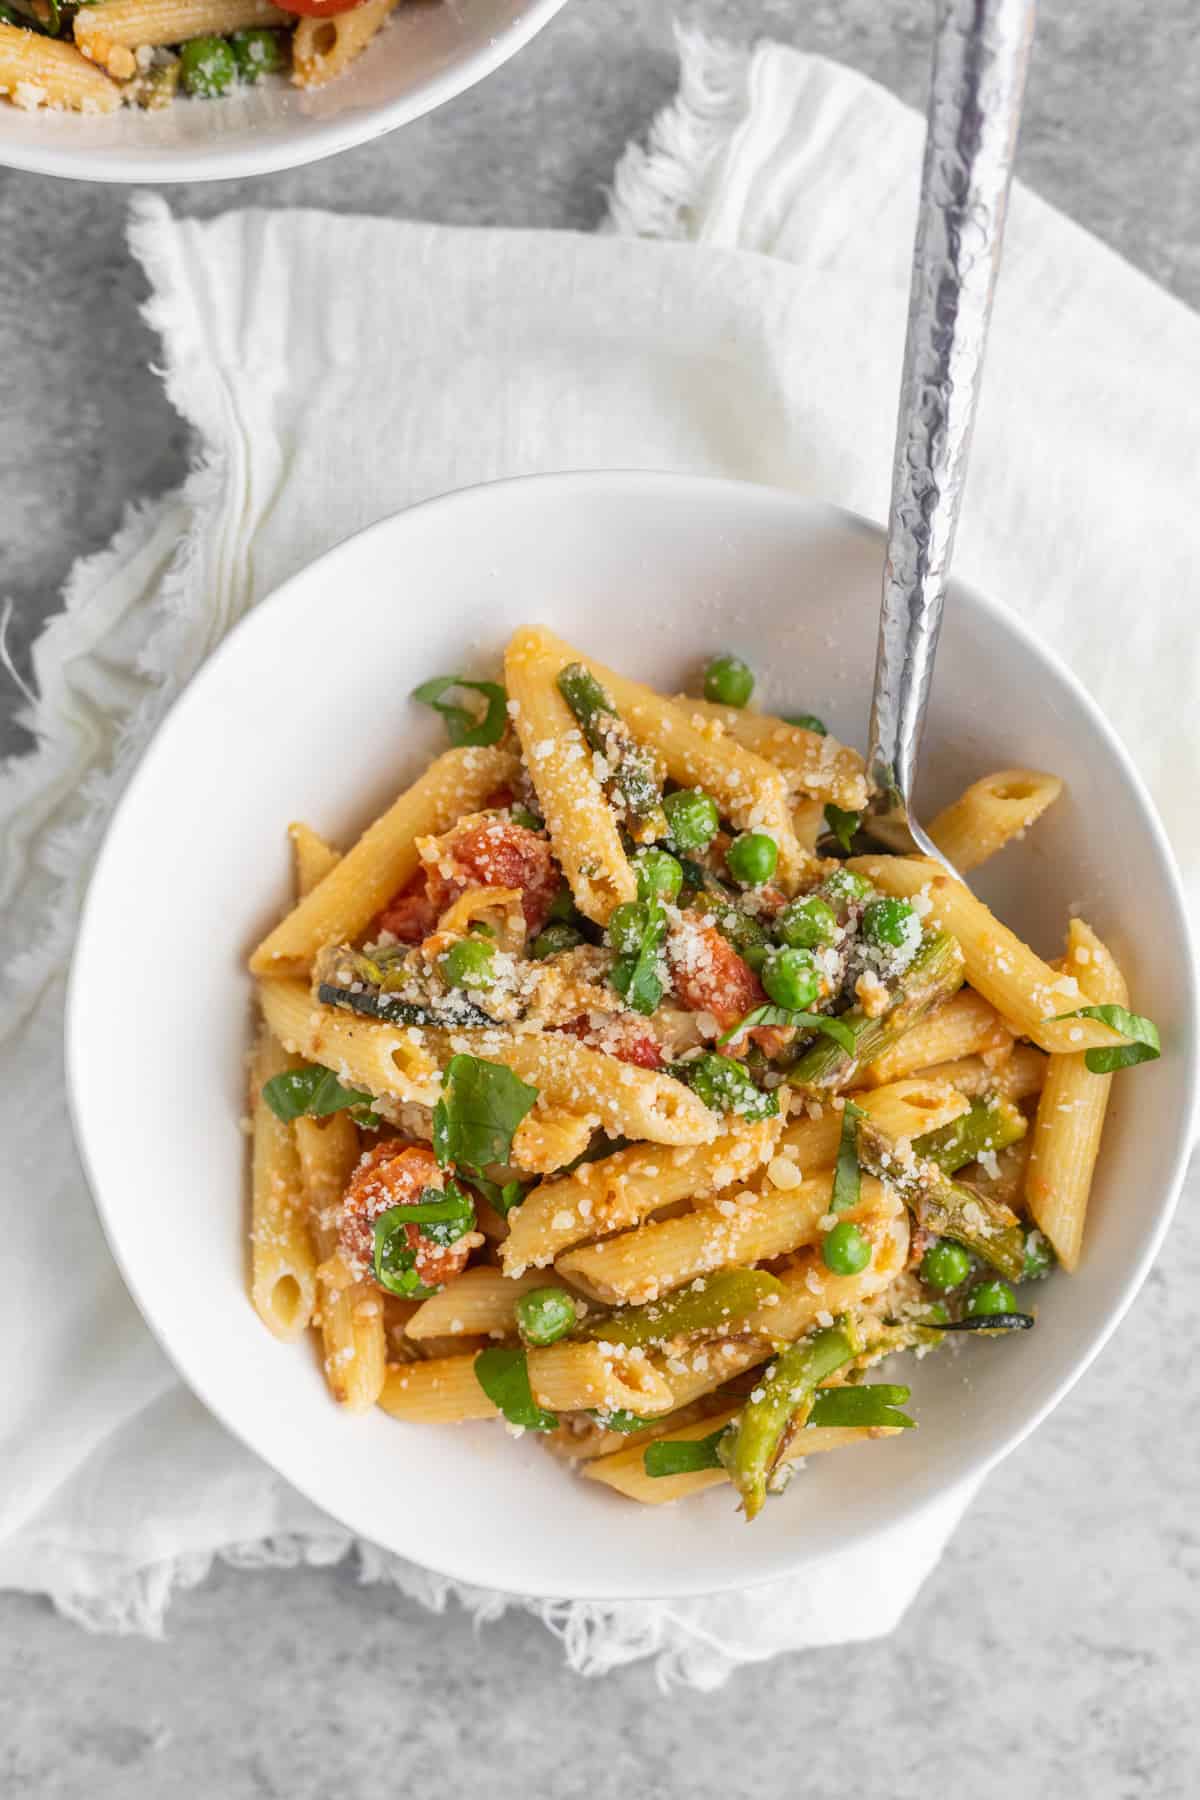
(416, 359)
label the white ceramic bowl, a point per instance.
(650, 572)
(425, 55)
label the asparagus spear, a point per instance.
(781, 1402)
(988, 1125)
(945, 1207)
(712, 1308)
(935, 972)
(634, 777)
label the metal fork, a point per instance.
(981, 52)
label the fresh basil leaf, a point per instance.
(621, 1419)
(685, 1457)
(504, 1377)
(1144, 1045)
(444, 1216)
(395, 1259)
(843, 825)
(481, 1106)
(847, 1176)
(636, 976)
(464, 727)
(841, 1034)
(725, 1086)
(312, 1092)
(877, 1404)
(501, 1196)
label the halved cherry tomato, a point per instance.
(410, 915)
(711, 977)
(395, 1174)
(496, 852)
(621, 1038)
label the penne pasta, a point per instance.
(620, 1190)
(964, 1025)
(639, 1265)
(282, 1267)
(342, 906)
(106, 28)
(1070, 1114)
(1026, 992)
(578, 816)
(547, 1139)
(813, 1294)
(443, 1391)
(481, 1302)
(312, 858)
(617, 1097)
(990, 813)
(812, 765)
(389, 1061)
(38, 71)
(1018, 1077)
(585, 1377)
(324, 46)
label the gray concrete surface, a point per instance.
(1057, 1649)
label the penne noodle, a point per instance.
(620, 1098)
(38, 71)
(481, 1302)
(904, 1109)
(341, 907)
(964, 1025)
(440, 1392)
(1018, 1077)
(354, 1346)
(282, 1267)
(322, 47)
(582, 1377)
(581, 823)
(621, 1190)
(991, 812)
(1026, 992)
(547, 1140)
(328, 1150)
(388, 1061)
(312, 858)
(812, 1294)
(1070, 1114)
(639, 1265)
(812, 765)
(107, 31)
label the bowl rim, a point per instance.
(272, 607)
(225, 161)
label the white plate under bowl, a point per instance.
(428, 52)
(303, 714)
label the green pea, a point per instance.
(257, 52)
(627, 927)
(553, 938)
(692, 819)
(807, 722)
(891, 923)
(945, 1265)
(728, 680)
(807, 924)
(207, 67)
(1039, 1257)
(845, 1249)
(751, 858)
(790, 978)
(658, 874)
(990, 1298)
(468, 964)
(545, 1314)
(845, 888)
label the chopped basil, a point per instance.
(444, 1217)
(481, 1106)
(847, 1176)
(684, 1457)
(1144, 1045)
(621, 1419)
(395, 1259)
(504, 1377)
(841, 1034)
(463, 726)
(502, 1196)
(843, 825)
(314, 1092)
(872, 1405)
(635, 975)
